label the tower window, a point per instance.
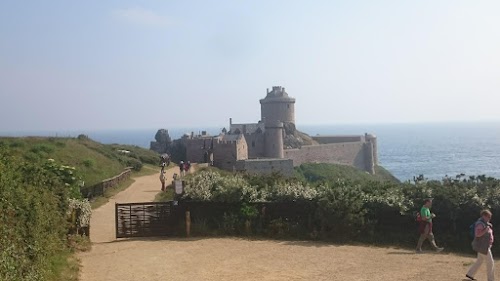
(288, 106)
(253, 143)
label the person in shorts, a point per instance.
(425, 227)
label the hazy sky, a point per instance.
(150, 64)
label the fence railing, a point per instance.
(99, 189)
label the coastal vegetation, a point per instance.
(338, 207)
(95, 161)
(40, 208)
(42, 213)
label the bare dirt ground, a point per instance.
(240, 259)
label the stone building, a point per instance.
(273, 144)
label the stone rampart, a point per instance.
(337, 139)
(349, 153)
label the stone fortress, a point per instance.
(275, 145)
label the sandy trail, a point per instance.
(240, 259)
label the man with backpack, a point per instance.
(425, 227)
(483, 240)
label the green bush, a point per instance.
(340, 209)
(42, 148)
(89, 163)
(32, 225)
(32, 157)
(17, 143)
(135, 164)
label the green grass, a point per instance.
(146, 171)
(331, 172)
(64, 266)
(165, 196)
(93, 161)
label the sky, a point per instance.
(72, 65)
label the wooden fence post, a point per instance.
(188, 223)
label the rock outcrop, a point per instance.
(295, 138)
(163, 142)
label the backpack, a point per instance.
(472, 228)
(417, 216)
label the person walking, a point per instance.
(181, 168)
(162, 179)
(425, 227)
(483, 240)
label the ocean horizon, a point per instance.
(435, 150)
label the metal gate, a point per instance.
(143, 219)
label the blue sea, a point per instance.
(406, 150)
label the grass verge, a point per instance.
(65, 265)
(165, 196)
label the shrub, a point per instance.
(32, 225)
(134, 163)
(89, 163)
(42, 148)
(17, 143)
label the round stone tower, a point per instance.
(277, 106)
(273, 140)
(370, 138)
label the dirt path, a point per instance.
(143, 189)
(240, 259)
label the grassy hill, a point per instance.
(313, 172)
(93, 161)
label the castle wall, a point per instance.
(194, 151)
(369, 159)
(266, 166)
(225, 156)
(255, 143)
(351, 154)
(337, 139)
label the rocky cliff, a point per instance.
(295, 138)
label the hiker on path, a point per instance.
(162, 179)
(483, 240)
(425, 227)
(181, 167)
